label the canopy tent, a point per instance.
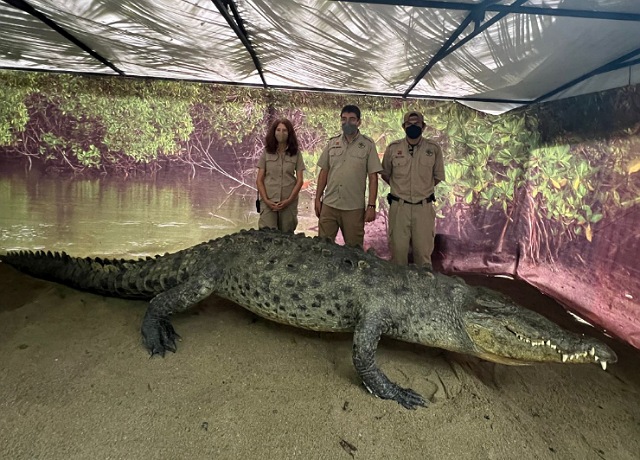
(492, 55)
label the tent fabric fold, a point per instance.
(490, 55)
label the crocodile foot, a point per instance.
(158, 335)
(408, 398)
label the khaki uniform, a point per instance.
(280, 176)
(412, 179)
(348, 165)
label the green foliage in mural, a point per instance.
(228, 114)
(558, 184)
(13, 110)
(578, 176)
(485, 157)
(138, 119)
(118, 123)
(517, 164)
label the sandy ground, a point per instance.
(75, 383)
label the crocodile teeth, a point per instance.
(564, 358)
(604, 365)
(592, 352)
(548, 343)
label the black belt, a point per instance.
(430, 199)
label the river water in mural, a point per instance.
(119, 217)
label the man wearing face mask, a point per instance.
(346, 164)
(412, 166)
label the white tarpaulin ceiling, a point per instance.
(491, 55)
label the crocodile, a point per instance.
(315, 284)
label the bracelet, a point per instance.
(371, 206)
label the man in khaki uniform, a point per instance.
(346, 164)
(412, 166)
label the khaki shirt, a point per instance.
(348, 166)
(412, 177)
(280, 174)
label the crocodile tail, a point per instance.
(117, 278)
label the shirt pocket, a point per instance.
(289, 167)
(336, 157)
(427, 162)
(360, 154)
(401, 165)
(428, 159)
(273, 174)
(271, 160)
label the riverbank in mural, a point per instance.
(549, 194)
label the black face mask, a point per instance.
(413, 131)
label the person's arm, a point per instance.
(298, 186)
(322, 183)
(370, 213)
(438, 168)
(262, 189)
(300, 167)
(386, 166)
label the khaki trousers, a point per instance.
(350, 223)
(411, 225)
(285, 220)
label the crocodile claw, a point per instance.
(409, 399)
(406, 397)
(159, 336)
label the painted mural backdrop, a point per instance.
(550, 194)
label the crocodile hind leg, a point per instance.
(158, 335)
(365, 342)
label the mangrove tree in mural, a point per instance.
(554, 186)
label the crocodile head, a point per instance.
(506, 333)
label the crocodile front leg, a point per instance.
(158, 335)
(365, 342)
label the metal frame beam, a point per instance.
(229, 11)
(477, 12)
(24, 6)
(476, 15)
(537, 10)
(623, 61)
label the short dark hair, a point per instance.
(271, 144)
(351, 109)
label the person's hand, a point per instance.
(370, 215)
(283, 204)
(318, 207)
(272, 205)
